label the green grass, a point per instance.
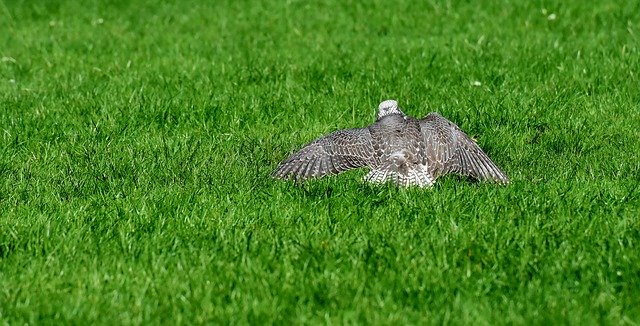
(137, 139)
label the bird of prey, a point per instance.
(396, 148)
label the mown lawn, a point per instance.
(137, 138)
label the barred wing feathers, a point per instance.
(449, 149)
(332, 154)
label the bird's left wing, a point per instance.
(337, 152)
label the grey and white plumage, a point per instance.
(396, 148)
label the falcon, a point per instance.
(396, 148)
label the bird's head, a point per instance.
(388, 107)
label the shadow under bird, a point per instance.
(396, 148)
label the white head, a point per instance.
(388, 107)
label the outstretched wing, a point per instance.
(449, 149)
(337, 152)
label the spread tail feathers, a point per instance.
(413, 177)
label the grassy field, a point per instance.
(137, 138)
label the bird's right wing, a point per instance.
(337, 152)
(449, 149)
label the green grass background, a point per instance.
(137, 138)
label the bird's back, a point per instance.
(398, 142)
(396, 133)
